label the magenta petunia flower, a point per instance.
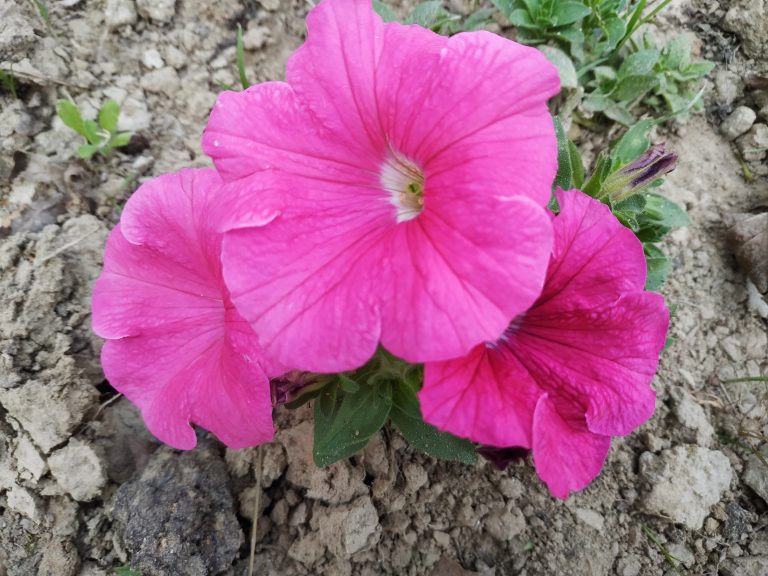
(410, 172)
(572, 371)
(176, 346)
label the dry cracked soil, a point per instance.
(84, 489)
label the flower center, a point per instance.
(404, 181)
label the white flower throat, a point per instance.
(404, 181)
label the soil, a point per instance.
(85, 489)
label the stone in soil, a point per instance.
(693, 418)
(738, 122)
(756, 473)
(351, 528)
(749, 19)
(748, 239)
(685, 482)
(78, 469)
(178, 516)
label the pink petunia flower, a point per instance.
(176, 346)
(410, 175)
(572, 371)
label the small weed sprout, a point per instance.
(8, 81)
(126, 571)
(102, 135)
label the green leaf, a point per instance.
(522, 19)
(564, 65)
(600, 173)
(240, 57)
(120, 139)
(87, 150)
(570, 168)
(639, 63)
(659, 267)
(633, 87)
(595, 102)
(614, 29)
(632, 205)
(677, 52)
(660, 211)
(570, 12)
(108, 115)
(126, 571)
(619, 113)
(698, 69)
(634, 142)
(426, 14)
(344, 426)
(384, 11)
(406, 416)
(70, 115)
(91, 130)
(478, 19)
(348, 385)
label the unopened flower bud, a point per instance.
(636, 176)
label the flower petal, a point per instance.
(192, 376)
(594, 335)
(603, 358)
(459, 272)
(486, 396)
(595, 258)
(308, 291)
(178, 348)
(142, 291)
(566, 454)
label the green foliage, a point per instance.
(590, 42)
(9, 82)
(240, 56)
(650, 216)
(126, 571)
(354, 406)
(406, 416)
(101, 137)
(433, 15)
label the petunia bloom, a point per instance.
(573, 370)
(176, 346)
(410, 175)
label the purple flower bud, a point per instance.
(632, 178)
(503, 457)
(654, 164)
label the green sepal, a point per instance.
(407, 418)
(344, 422)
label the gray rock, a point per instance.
(59, 559)
(756, 474)
(749, 19)
(692, 416)
(747, 566)
(28, 459)
(78, 470)
(754, 144)
(158, 10)
(739, 122)
(165, 81)
(120, 13)
(685, 482)
(737, 522)
(178, 516)
(22, 501)
(351, 528)
(503, 525)
(729, 86)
